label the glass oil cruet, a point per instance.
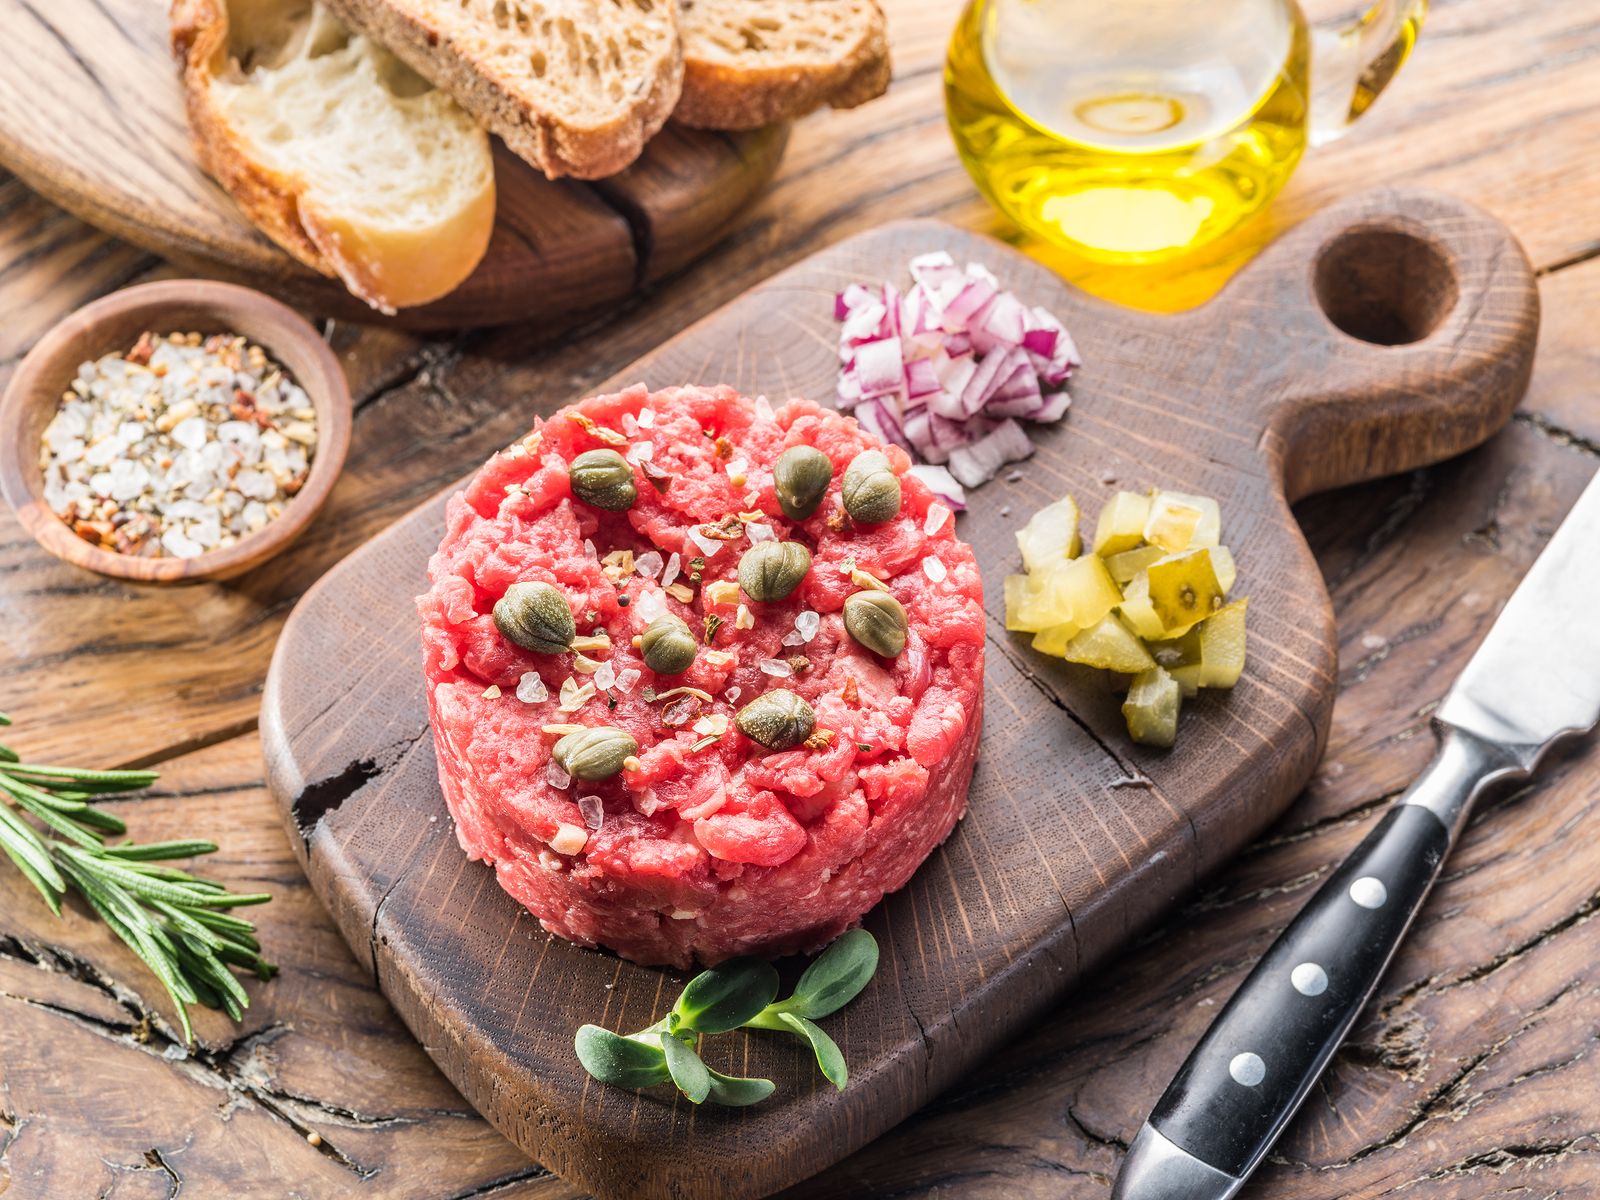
(1136, 133)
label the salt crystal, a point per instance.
(556, 777)
(641, 452)
(589, 550)
(605, 677)
(679, 711)
(531, 688)
(764, 410)
(650, 605)
(674, 565)
(190, 433)
(732, 695)
(708, 546)
(934, 569)
(594, 812)
(180, 545)
(255, 485)
(807, 623)
(776, 667)
(758, 532)
(627, 680)
(647, 417)
(794, 638)
(938, 514)
(648, 564)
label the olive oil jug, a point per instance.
(1133, 131)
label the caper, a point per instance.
(536, 617)
(667, 645)
(603, 479)
(801, 479)
(871, 490)
(594, 754)
(778, 719)
(769, 571)
(876, 620)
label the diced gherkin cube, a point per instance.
(1125, 566)
(1076, 592)
(1222, 641)
(1151, 709)
(1211, 654)
(1222, 564)
(1137, 610)
(1111, 646)
(1121, 524)
(1051, 535)
(1181, 522)
(1183, 589)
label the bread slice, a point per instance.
(575, 87)
(750, 62)
(335, 149)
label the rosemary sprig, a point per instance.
(174, 921)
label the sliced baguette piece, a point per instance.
(334, 148)
(575, 87)
(751, 62)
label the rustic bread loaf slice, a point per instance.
(575, 87)
(334, 148)
(751, 62)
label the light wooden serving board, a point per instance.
(1074, 838)
(91, 117)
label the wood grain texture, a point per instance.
(112, 325)
(91, 115)
(1462, 1081)
(1074, 838)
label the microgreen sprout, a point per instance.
(740, 994)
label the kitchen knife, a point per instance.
(1535, 679)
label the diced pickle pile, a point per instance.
(1149, 601)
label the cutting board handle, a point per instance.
(1403, 324)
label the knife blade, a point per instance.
(1534, 680)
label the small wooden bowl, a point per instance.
(112, 324)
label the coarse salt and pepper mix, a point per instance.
(182, 445)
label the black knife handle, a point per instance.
(1254, 1066)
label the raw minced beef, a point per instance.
(714, 846)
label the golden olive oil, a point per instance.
(1129, 131)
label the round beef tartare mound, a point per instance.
(705, 843)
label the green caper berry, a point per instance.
(778, 719)
(770, 571)
(801, 479)
(594, 754)
(871, 490)
(667, 646)
(876, 620)
(603, 479)
(536, 617)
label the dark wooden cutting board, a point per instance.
(91, 117)
(1388, 332)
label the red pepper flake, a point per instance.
(142, 350)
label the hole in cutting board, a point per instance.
(1385, 286)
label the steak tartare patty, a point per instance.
(676, 834)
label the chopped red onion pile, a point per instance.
(948, 368)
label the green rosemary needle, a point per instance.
(174, 921)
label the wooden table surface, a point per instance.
(1475, 1072)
